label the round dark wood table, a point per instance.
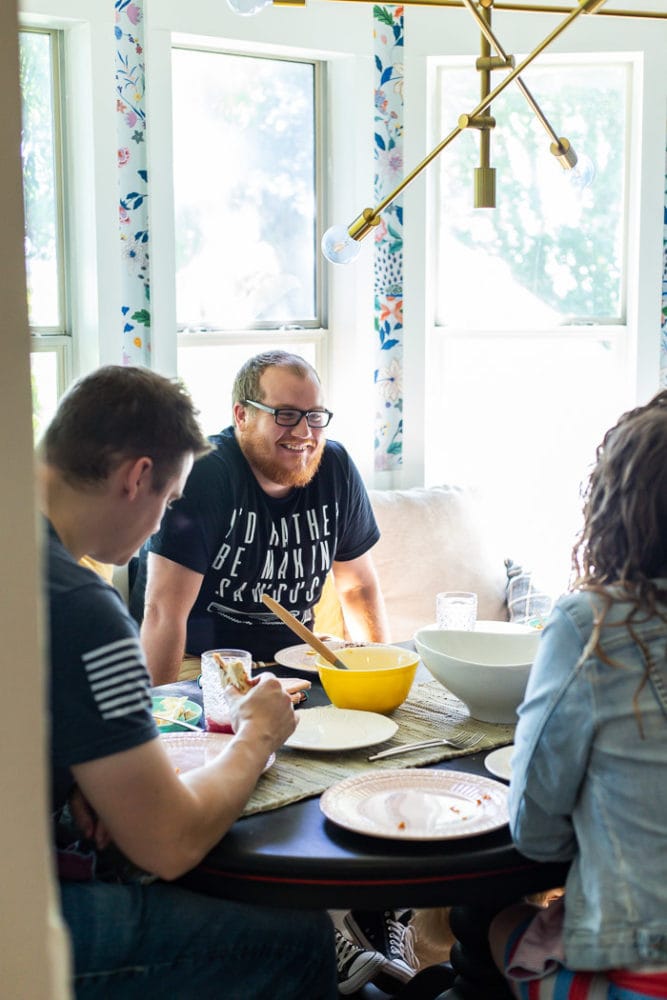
(295, 857)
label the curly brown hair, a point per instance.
(624, 537)
(621, 551)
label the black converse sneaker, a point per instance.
(393, 937)
(356, 967)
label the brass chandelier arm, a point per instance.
(539, 9)
(529, 8)
(370, 217)
(485, 28)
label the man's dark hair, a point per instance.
(246, 383)
(118, 412)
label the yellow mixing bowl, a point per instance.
(378, 678)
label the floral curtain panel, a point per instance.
(388, 146)
(135, 347)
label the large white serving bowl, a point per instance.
(488, 671)
(492, 626)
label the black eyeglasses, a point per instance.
(289, 416)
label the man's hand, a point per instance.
(267, 708)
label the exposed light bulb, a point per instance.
(583, 174)
(339, 247)
(246, 8)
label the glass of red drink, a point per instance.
(216, 714)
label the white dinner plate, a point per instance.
(498, 762)
(331, 729)
(189, 750)
(303, 656)
(417, 804)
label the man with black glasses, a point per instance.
(271, 510)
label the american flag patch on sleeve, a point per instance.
(118, 678)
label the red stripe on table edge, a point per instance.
(425, 880)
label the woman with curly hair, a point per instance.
(589, 772)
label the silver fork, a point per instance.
(459, 742)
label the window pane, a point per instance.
(44, 380)
(39, 179)
(520, 419)
(209, 374)
(244, 189)
(552, 251)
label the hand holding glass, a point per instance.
(216, 713)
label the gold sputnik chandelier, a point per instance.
(341, 244)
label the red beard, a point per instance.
(261, 456)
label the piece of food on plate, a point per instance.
(296, 688)
(172, 708)
(170, 713)
(233, 673)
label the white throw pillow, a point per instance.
(432, 539)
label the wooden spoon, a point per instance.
(303, 632)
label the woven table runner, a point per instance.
(429, 712)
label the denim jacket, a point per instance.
(589, 783)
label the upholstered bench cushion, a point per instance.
(433, 539)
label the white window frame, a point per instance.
(309, 337)
(619, 334)
(91, 180)
(642, 42)
(302, 330)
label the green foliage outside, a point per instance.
(565, 248)
(263, 107)
(37, 144)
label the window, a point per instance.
(247, 249)
(41, 153)
(208, 370)
(551, 252)
(530, 339)
(244, 187)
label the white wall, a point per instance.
(33, 949)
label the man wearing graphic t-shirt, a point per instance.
(271, 509)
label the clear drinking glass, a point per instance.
(538, 609)
(456, 609)
(216, 713)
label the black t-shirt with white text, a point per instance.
(246, 543)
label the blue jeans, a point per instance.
(134, 941)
